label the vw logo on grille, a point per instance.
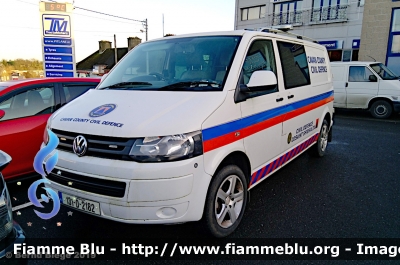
(79, 145)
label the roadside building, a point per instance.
(103, 60)
(381, 33)
(337, 24)
(351, 30)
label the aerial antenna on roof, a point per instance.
(372, 58)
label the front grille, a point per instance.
(98, 146)
(95, 185)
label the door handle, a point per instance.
(347, 84)
(290, 96)
(279, 99)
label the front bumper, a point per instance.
(171, 192)
(16, 236)
(396, 106)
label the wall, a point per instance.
(375, 29)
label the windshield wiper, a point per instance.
(191, 84)
(125, 84)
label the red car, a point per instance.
(25, 106)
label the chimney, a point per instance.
(104, 45)
(133, 42)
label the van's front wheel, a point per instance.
(381, 109)
(318, 149)
(226, 201)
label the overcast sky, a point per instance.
(20, 22)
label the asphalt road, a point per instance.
(352, 192)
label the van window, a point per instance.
(259, 57)
(359, 74)
(294, 64)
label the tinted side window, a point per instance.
(72, 91)
(34, 101)
(259, 57)
(294, 64)
(359, 74)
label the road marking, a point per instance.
(23, 206)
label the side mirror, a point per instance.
(5, 159)
(373, 78)
(259, 81)
(2, 113)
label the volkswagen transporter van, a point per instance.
(183, 127)
(366, 85)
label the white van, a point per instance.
(366, 85)
(183, 127)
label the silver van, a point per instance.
(366, 85)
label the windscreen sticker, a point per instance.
(320, 66)
(93, 121)
(302, 131)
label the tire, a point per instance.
(319, 149)
(381, 109)
(225, 205)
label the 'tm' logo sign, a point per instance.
(56, 26)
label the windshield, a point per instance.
(180, 64)
(383, 71)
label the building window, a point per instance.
(287, 13)
(393, 52)
(354, 56)
(347, 56)
(294, 64)
(255, 12)
(335, 56)
(327, 10)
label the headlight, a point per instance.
(167, 148)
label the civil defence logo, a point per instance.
(44, 166)
(102, 110)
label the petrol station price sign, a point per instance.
(58, 46)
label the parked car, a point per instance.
(10, 231)
(25, 106)
(182, 127)
(366, 85)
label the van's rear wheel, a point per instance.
(226, 201)
(319, 149)
(381, 109)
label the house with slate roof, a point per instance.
(103, 60)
